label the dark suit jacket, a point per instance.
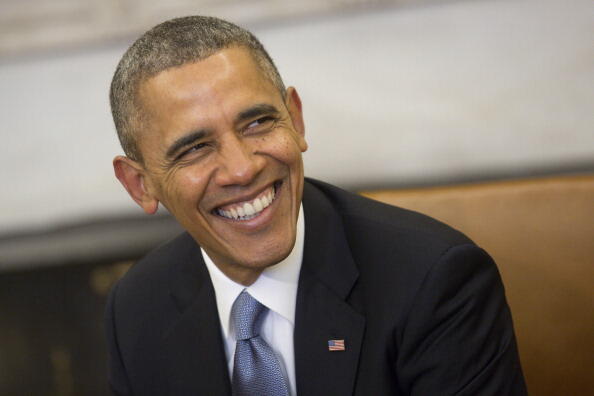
(421, 310)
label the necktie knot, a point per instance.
(247, 316)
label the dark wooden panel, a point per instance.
(51, 330)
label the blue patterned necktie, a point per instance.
(256, 370)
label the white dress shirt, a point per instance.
(276, 288)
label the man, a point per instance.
(268, 293)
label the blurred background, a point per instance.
(397, 93)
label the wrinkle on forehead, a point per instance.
(203, 80)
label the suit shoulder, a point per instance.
(368, 217)
(155, 265)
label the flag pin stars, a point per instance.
(335, 345)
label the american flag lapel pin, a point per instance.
(335, 345)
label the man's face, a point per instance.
(223, 153)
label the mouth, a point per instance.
(249, 209)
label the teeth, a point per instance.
(248, 210)
(258, 205)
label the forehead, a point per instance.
(226, 75)
(207, 94)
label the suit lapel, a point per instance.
(327, 276)
(195, 356)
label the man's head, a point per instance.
(220, 144)
(171, 44)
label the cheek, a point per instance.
(185, 190)
(283, 147)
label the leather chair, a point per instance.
(541, 234)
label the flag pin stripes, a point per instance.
(336, 345)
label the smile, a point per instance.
(247, 210)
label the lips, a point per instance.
(246, 210)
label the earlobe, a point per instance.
(131, 174)
(296, 111)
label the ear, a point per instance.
(296, 112)
(132, 176)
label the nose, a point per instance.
(239, 163)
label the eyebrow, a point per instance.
(255, 111)
(247, 114)
(185, 140)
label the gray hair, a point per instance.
(170, 44)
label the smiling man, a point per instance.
(280, 286)
(222, 151)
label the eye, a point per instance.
(191, 150)
(262, 124)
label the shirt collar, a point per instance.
(276, 287)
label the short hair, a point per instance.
(174, 43)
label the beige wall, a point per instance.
(396, 95)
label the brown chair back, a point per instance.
(541, 234)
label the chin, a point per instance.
(267, 257)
